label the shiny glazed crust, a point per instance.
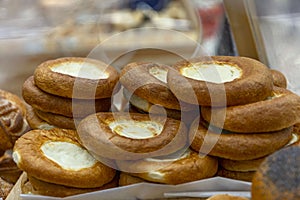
(238, 146)
(49, 189)
(135, 77)
(12, 120)
(96, 136)
(255, 84)
(190, 168)
(29, 157)
(63, 85)
(278, 177)
(263, 116)
(68, 107)
(279, 79)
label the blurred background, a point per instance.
(32, 31)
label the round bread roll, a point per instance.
(131, 136)
(149, 81)
(278, 177)
(127, 179)
(56, 156)
(142, 105)
(220, 80)
(241, 165)
(13, 123)
(49, 189)
(76, 77)
(236, 175)
(279, 79)
(34, 121)
(226, 197)
(58, 121)
(279, 111)
(181, 167)
(59, 105)
(238, 146)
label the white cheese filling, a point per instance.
(80, 69)
(136, 129)
(160, 74)
(68, 155)
(214, 73)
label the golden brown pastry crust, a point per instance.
(263, 116)
(63, 85)
(279, 79)
(241, 165)
(238, 146)
(29, 157)
(190, 168)
(143, 106)
(127, 179)
(135, 77)
(255, 84)
(237, 175)
(14, 99)
(34, 121)
(49, 189)
(12, 120)
(96, 136)
(68, 107)
(56, 120)
(278, 177)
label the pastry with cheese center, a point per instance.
(220, 80)
(56, 156)
(76, 77)
(149, 81)
(68, 107)
(129, 136)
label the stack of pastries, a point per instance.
(199, 118)
(62, 92)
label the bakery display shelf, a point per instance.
(201, 189)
